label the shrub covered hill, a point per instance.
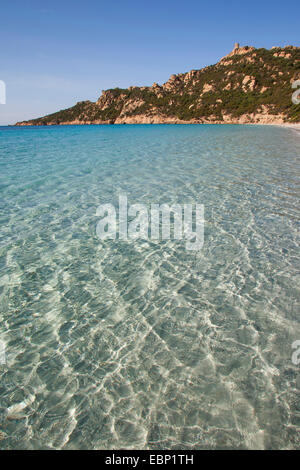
(247, 86)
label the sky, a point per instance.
(56, 53)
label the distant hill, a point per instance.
(247, 86)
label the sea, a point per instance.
(140, 343)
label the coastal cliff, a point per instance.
(247, 86)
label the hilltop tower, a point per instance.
(236, 46)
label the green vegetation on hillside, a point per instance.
(238, 85)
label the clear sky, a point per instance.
(55, 53)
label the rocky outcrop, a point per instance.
(246, 86)
(238, 51)
(248, 83)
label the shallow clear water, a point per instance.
(143, 344)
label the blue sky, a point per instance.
(53, 54)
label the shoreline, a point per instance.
(295, 126)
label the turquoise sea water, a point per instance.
(114, 344)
